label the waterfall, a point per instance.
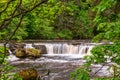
(28, 46)
(61, 49)
(66, 48)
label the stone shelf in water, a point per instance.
(65, 48)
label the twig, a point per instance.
(100, 68)
(17, 26)
(5, 45)
(5, 23)
(24, 12)
(7, 4)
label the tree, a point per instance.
(106, 19)
(12, 14)
(74, 20)
(11, 17)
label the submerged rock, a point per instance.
(32, 74)
(28, 74)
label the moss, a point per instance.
(20, 53)
(31, 52)
(28, 74)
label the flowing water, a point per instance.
(66, 49)
(60, 58)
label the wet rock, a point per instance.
(28, 74)
(28, 52)
(32, 74)
(20, 53)
(42, 48)
(34, 53)
(13, 47)
(76, 43)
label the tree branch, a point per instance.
(5, 44)
(100, 68)
(16, 15)
(5, 23)
(13, 15)
(7, 4)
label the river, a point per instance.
(61, 58)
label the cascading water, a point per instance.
(66, 49)
(59, 58)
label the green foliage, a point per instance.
(5, 68)
(49, 19)
(75, 19)
(102, 7)
(10, 25)
(20, 34)
(109, 31)
(65, 34)
(2, 53)
(2, 49)
(80, 74)
(104, 52)
(6, 74)
(106, 21)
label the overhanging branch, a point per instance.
(7, 4)
(5, 44)
(5, 23)
(8, 20)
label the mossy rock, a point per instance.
(32, 52)
(28, 74)
(20, 53)
(28, 52)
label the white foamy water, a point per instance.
(28, 46)
(65, 55)
(65, 50)
(12, 58)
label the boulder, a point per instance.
(28, 52)
(13, 47)
(20, 53)
(32, 52)
(42, 48)
(28, 74)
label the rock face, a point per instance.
(28, 52)
(13, 47)
(28, 74)
(41, 47)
